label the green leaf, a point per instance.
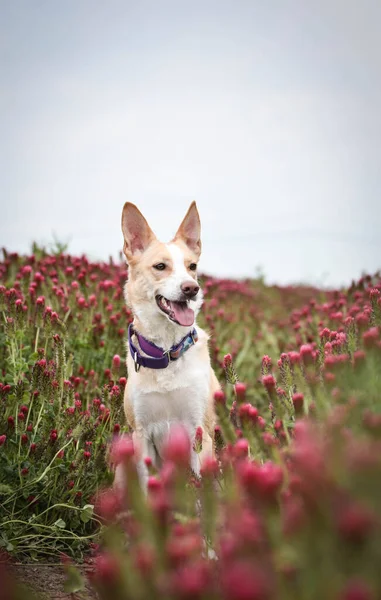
(60, 523)
(74, 581)
(5, 489)
(87, 513)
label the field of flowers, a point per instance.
(291, 506)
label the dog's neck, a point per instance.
(160, 331)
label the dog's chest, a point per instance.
(178, 393)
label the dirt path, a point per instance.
(48, 582)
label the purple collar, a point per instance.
(157, 357)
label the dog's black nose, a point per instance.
(189, 289)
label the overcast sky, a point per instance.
(266, 113)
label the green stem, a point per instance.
(36, 340)
(38, 421)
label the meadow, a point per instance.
(289, 509)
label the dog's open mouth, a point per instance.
(179, 312)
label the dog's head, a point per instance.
(162, 279)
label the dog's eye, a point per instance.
(159, 266)
(193, 266)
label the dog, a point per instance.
(170, 378)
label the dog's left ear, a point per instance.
(190, 230)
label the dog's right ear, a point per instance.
(137, 233)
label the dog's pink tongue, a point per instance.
(183, 314)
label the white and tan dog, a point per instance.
(170, 379)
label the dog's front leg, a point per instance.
(144, 448)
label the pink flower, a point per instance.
(269, 382)
(122, 450)
(191, 582)
(240, 390)
(209, 467)
(116, 362)
(266, 364)
(3, 439)
(92, 300)
(358, 357)
(371, 337)
(144, 558)
(227, 361)
(197, 444)
(81, 301)
(115, 391)
(307, 353)
(107, 568)
(294, 357)
(357, 589)
(264, 481)
(108, 504)
(241, 448)
(355, 523)
(261, 422)
(219, 397)
(244, 581)
(160, 505)
(324, 334)
(53, 435)
(248, 413)
(154, 484)
(374, 293)
(298, 401)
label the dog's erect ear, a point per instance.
(137, 233)
(190, 230)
